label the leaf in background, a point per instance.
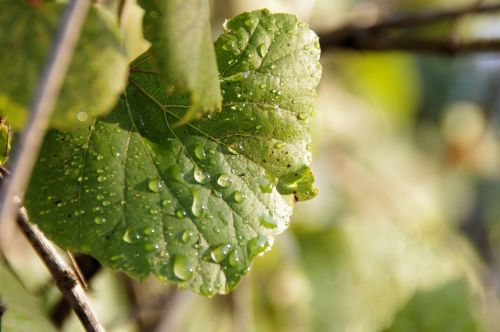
(96, 75)
(182, 50)
(195, 204)
(23, 310)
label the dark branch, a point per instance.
(383, 36)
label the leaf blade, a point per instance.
(194, 204)
(95, 77)
(182, 50)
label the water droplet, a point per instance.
(101, 178)
(127, 237)
(220, 252)
(262, 85)
(306, 47)
(186, 236)
(150, 246)
(224, 180)
(182, 268)
(238, 197)
(197, 206)
(248, 23)
(257, 245)
(273, 66)
(302, 116)
(268, 222)
(154, 185)
(180, 214)
(234, 259)
(99, 220)
(261, 49)
(148, 231)
(99, 157)
(316, 44)
(266, 186)
(200, 176)
(199, 152)
(165, 203)
(279, 145)
(206, 290)
(174, 172)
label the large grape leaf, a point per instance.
(23, 311)
(193, 204)
(182, 50)
(95, 78)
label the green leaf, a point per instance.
(194, 204)
(96, 75)
(23, 310)
(182, 50)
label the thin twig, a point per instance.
(416, 45)
(43, 102)
(64, 277)
(77, 270)
(382, 36)
(425, 18)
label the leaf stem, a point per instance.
(43, 103)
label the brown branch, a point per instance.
(382, 36)
(64, 277)
(361, 42)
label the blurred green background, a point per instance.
(405, 234)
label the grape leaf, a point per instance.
(193, 204)
(23, 311)
(182, 49)
(95, 78)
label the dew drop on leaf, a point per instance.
(180, 214)
(197, 206)
(199, 152)
(99, 220)
(154, 185)
(261, 49)
(219, 253)
(302, 116)
(268, 222)
(200, 176)
(206, 290)
(238, 197)
(224, 180)
(279, 145)
(186, 236)
(182, 267)
(234, 259)
(257, 246)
